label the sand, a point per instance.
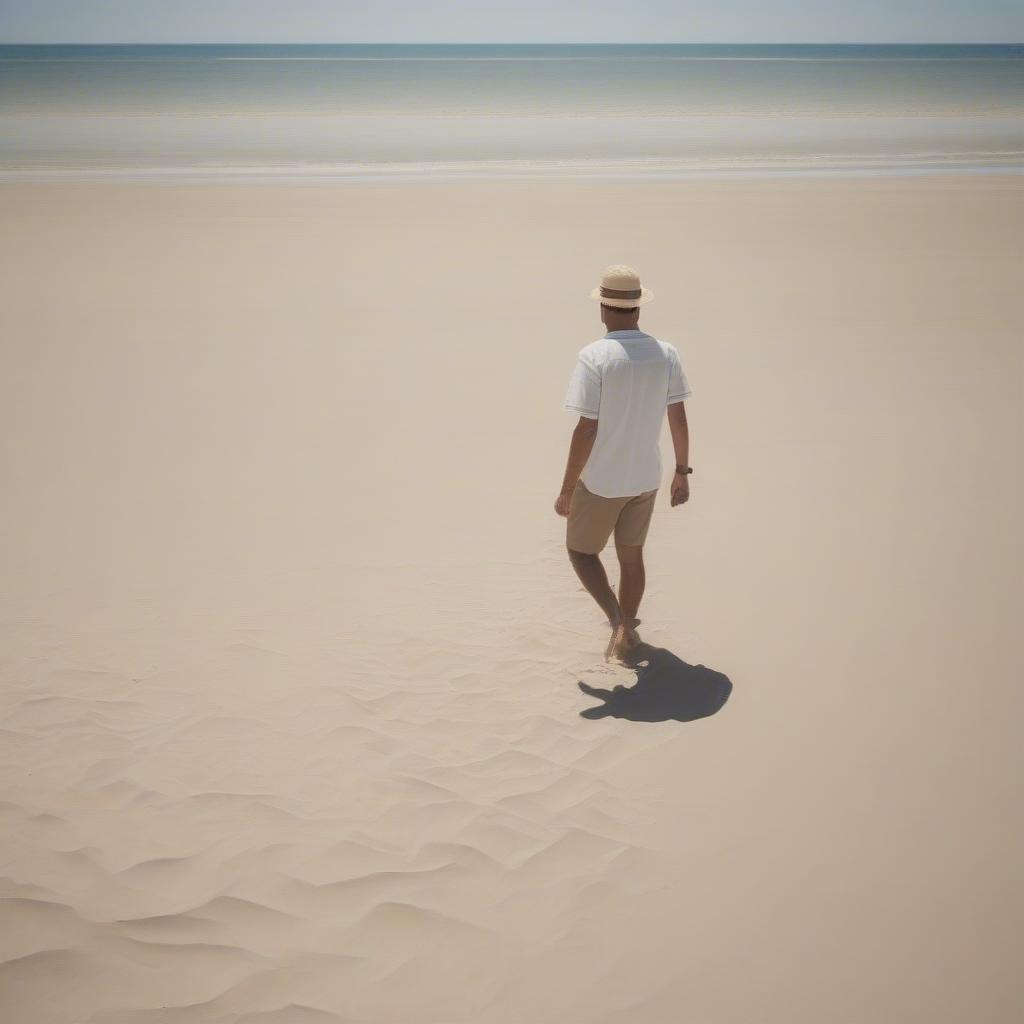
(291, 648)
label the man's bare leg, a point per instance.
(632, 579)
(625, 640)
(591, 572)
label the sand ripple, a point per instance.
(400, 822)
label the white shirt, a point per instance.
(624, 381)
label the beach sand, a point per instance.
(291, 645)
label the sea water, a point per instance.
(532, 112)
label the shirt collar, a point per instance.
(627, 334)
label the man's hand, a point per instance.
(562, 503)
(680, 488)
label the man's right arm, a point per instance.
(680, 433)
(678, 389)
(680, 488)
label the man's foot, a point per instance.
(624, 641)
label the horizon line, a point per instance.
(681, 42)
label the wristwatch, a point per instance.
(684, 469)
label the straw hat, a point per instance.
(620, 286)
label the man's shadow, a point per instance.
(666, 689)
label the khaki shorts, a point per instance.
(593, 518)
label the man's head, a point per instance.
(616, 318)
(621, 295)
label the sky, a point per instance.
(521, 21)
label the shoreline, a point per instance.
(260, 179)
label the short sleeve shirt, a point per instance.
(624, 381)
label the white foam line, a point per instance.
(813, 114)
(532, 170)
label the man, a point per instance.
(619, 387)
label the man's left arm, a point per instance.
(583, 398)
(580, 447)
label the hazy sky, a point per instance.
(479, 21)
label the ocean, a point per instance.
(522, 112)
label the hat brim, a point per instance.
(645, 296)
